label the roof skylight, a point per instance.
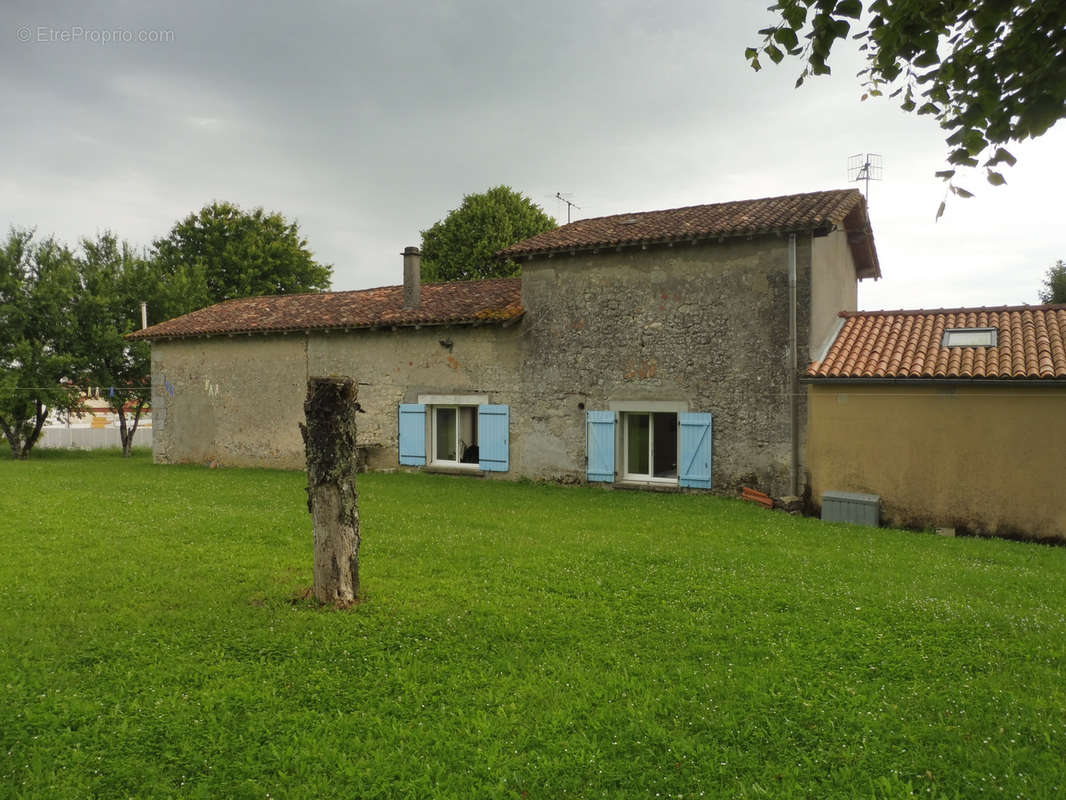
(969, 337)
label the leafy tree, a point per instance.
(113, 283)
(1054, 290)
(222, 252)
(462, 246)
(38, 282)
(988, 72)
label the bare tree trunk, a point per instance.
(128, 420)
(122, 431)
(23, 438)
(329, 440)
(11, 436)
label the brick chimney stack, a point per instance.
(412, 277)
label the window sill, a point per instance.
(453, 469)
(646, 486)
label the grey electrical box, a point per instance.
(858, 509)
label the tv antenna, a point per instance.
(865, 167)
(569, 204)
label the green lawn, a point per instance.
(516, 641)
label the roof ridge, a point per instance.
(957, 310)
(486, 301)
(816, 212)
(290, 295)
(708, 205)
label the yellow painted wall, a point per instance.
(833, 285)
(989, 459)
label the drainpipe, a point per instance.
(793, 375)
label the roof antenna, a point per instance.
(566, 199)
(865, 167)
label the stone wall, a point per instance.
(234, 400)
(395, 367)
(702, 327)
(239, 400)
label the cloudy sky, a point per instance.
(367, 122)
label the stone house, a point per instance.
(955, 418)
(656, 349)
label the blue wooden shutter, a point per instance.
(412, 434)
(695, 450)
(600, 438)
(493, 438)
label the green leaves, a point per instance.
(38, 282)
(999, 157)
(63, 315)
(1054, 290)
(222, 252)
(794, 13)
(995, 178)
(786, 37)
(989, 72)
(115, 280)
(849, 8)
(463, 245)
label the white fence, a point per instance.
(60, 436)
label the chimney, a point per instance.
(412, 277)
(144, 315)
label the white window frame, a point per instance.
(623, 450)
(432, 402)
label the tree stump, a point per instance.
(329, 441)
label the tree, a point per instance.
(113, 283)
(223, 252)
(38, 374)
(1054, 290)
(989, 72)
(462, 246)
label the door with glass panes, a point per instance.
(649, 448)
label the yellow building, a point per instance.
(955, 418)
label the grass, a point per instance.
(516, 641)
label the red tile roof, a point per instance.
(1031, 344)
(788, 213)
(459, 303)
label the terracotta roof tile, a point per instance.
(795, 212)
(1031, 344)
(465, 302)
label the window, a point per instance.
(454, 435)
(970, 337)
(650, 448)
(451, 431)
